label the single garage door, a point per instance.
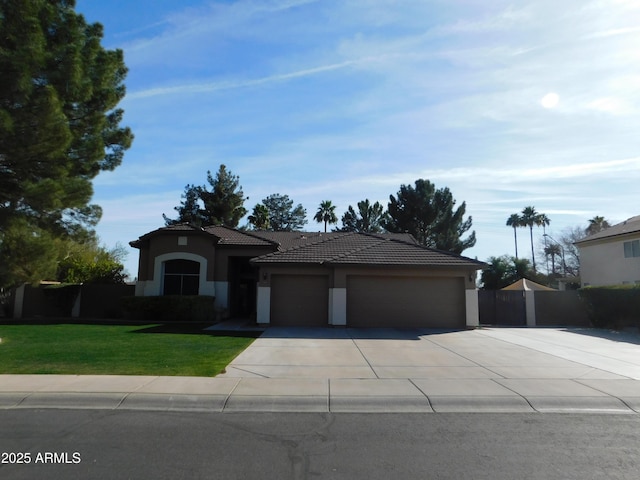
(406, 302)
(300, 300)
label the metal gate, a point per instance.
(502, 307)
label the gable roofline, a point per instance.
(329, 248)
(185, 228)
(363, 249)
(628, 227)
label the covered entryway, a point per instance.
(300, 300)
(406, 302)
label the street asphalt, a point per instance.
(510, 370)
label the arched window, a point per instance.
(181, 277)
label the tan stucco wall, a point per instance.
(163, 244)
(267, 271)
(341, 274)
(604, 263)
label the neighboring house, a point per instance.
(312, 279)
(612, 256)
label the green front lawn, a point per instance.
(114, 349)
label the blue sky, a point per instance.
(507, 103)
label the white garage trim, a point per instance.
(338, 306)
(473, 311)
(264, 305)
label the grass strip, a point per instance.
(113, 349)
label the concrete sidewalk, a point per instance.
(386, 370)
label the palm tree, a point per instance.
(542, 221)
(260, 217)
(515, 221)
(326, 213)
(596, 224)
(553, 250)
(530, 218)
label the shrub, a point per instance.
(170, 308)
(612, 307)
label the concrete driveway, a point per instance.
(505, 369)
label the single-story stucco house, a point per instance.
(612, 256)
(312, 279)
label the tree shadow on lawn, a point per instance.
(189, 328)
(196, 328)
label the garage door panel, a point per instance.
(408, 302)
(300, 300)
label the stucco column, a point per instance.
(263, 315)
(338, 306)
(472, 309)
(530, 307)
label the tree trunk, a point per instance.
(533, 255)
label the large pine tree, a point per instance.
(59, 128)
(223, 204)
(59, 125)
(429, 215)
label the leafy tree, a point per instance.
(596, 224)
(515, 221)
(59, 125)
(505, 270)
(326, 213)
(368, 219)
(568, 237)
(222, 205)
(90, 263)
(31, 254)
(428, 214)
(282, 214)
(259, 219)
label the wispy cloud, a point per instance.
(207, 87)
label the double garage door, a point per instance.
(405, 302)
(372, 301)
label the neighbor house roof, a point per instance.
(366, 249)
(524, 284)
(631, 225)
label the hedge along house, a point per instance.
(312, 279)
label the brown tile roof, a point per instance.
(231, 236)
(222, 235)
(365, 249)
(287, 240)
(330, 248)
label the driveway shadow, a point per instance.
(613, 335)
(354, 333)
